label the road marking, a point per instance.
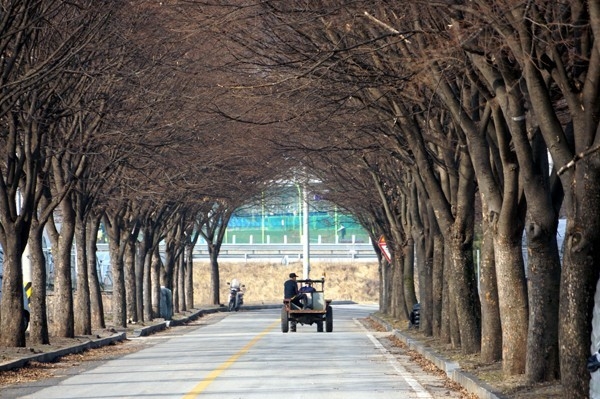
(420, 391)
(202, 385)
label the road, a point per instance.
(245, 355)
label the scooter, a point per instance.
(236, 296)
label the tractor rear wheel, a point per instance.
(329, 319)
(285, 324)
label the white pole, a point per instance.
(306, 241)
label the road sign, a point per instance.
(384, 249)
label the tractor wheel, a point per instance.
(285, 325)
(320, 326)
(329, 319)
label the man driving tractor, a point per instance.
(290, 291)
(305, 305)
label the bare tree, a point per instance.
(35, 54)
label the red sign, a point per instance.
(384, 249)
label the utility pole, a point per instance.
(306, 237)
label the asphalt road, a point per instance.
(245, 355)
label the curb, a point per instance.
(257, 307)
(452, 369)
(52, 356)
(145, 331)
(139, 332)
(122, 336)
(149, 330)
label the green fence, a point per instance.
(324, 227)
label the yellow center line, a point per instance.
(202, 385)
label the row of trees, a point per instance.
(108, 115)
(462, 122)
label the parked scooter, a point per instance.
(236, 295)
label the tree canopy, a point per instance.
(448, 127)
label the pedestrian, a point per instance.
(342, 231)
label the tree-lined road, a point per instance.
(245, 355)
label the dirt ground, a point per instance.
(510, 387)
(357, 281)
(344, 281)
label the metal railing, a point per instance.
(290, 251)
(285, 252)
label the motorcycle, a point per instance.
(236, 295)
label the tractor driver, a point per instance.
(290, 291)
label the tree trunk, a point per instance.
(446, 335)
(214, 277)
(181, 282)
(63, 287)
(38, 323)
(543, 260)
(176, 267)
(464, 296)
(462, 283)
(83, 319)
(145, 255)
(513, 303)
(168, 268)
(119, 303)
(189, 276)
(453, 325)
(130, 281)
(156, 282)
(437, 285)
(140, 259)
(426, 287)
(543, 266)
(506, 223)
(422, 260)
(398, 302)
(581, 263)
(393, 297)
(491, 327)
(457, 227)
(11, 320)
(393, 272)
(408, 280)
(96, 304)
(148, 293)
(384, 285)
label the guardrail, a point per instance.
(289, 252)
(285, 252)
